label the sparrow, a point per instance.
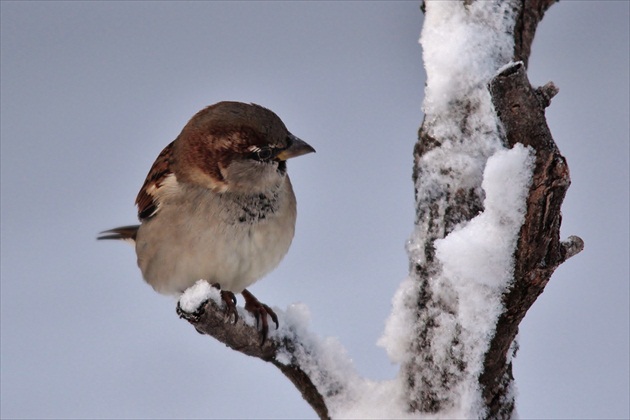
(218, 205)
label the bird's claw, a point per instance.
(230, 303)
(260, 312)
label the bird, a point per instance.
(218, 205)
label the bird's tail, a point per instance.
(125, 233)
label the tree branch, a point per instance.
(210, 319)
(521, 111)
(530, 15)
(443, 361)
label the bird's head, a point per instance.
(236, 147)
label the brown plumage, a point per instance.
(218, 204)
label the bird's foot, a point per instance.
(230, 302)
(260, 312)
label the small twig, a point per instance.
(210, 319)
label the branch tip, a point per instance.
(546, 92)
(510, 69)
(191, 317)
(572, 246)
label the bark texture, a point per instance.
(540, 251)
(532, 12)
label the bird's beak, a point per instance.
(297, 147)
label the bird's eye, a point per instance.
(263, 154)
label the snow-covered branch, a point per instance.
(485, 229)
(470, 205)
(317, 367)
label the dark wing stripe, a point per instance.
(146, 201)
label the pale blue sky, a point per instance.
(92, 91)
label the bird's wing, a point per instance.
(160, 175)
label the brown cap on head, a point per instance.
(227, 131)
